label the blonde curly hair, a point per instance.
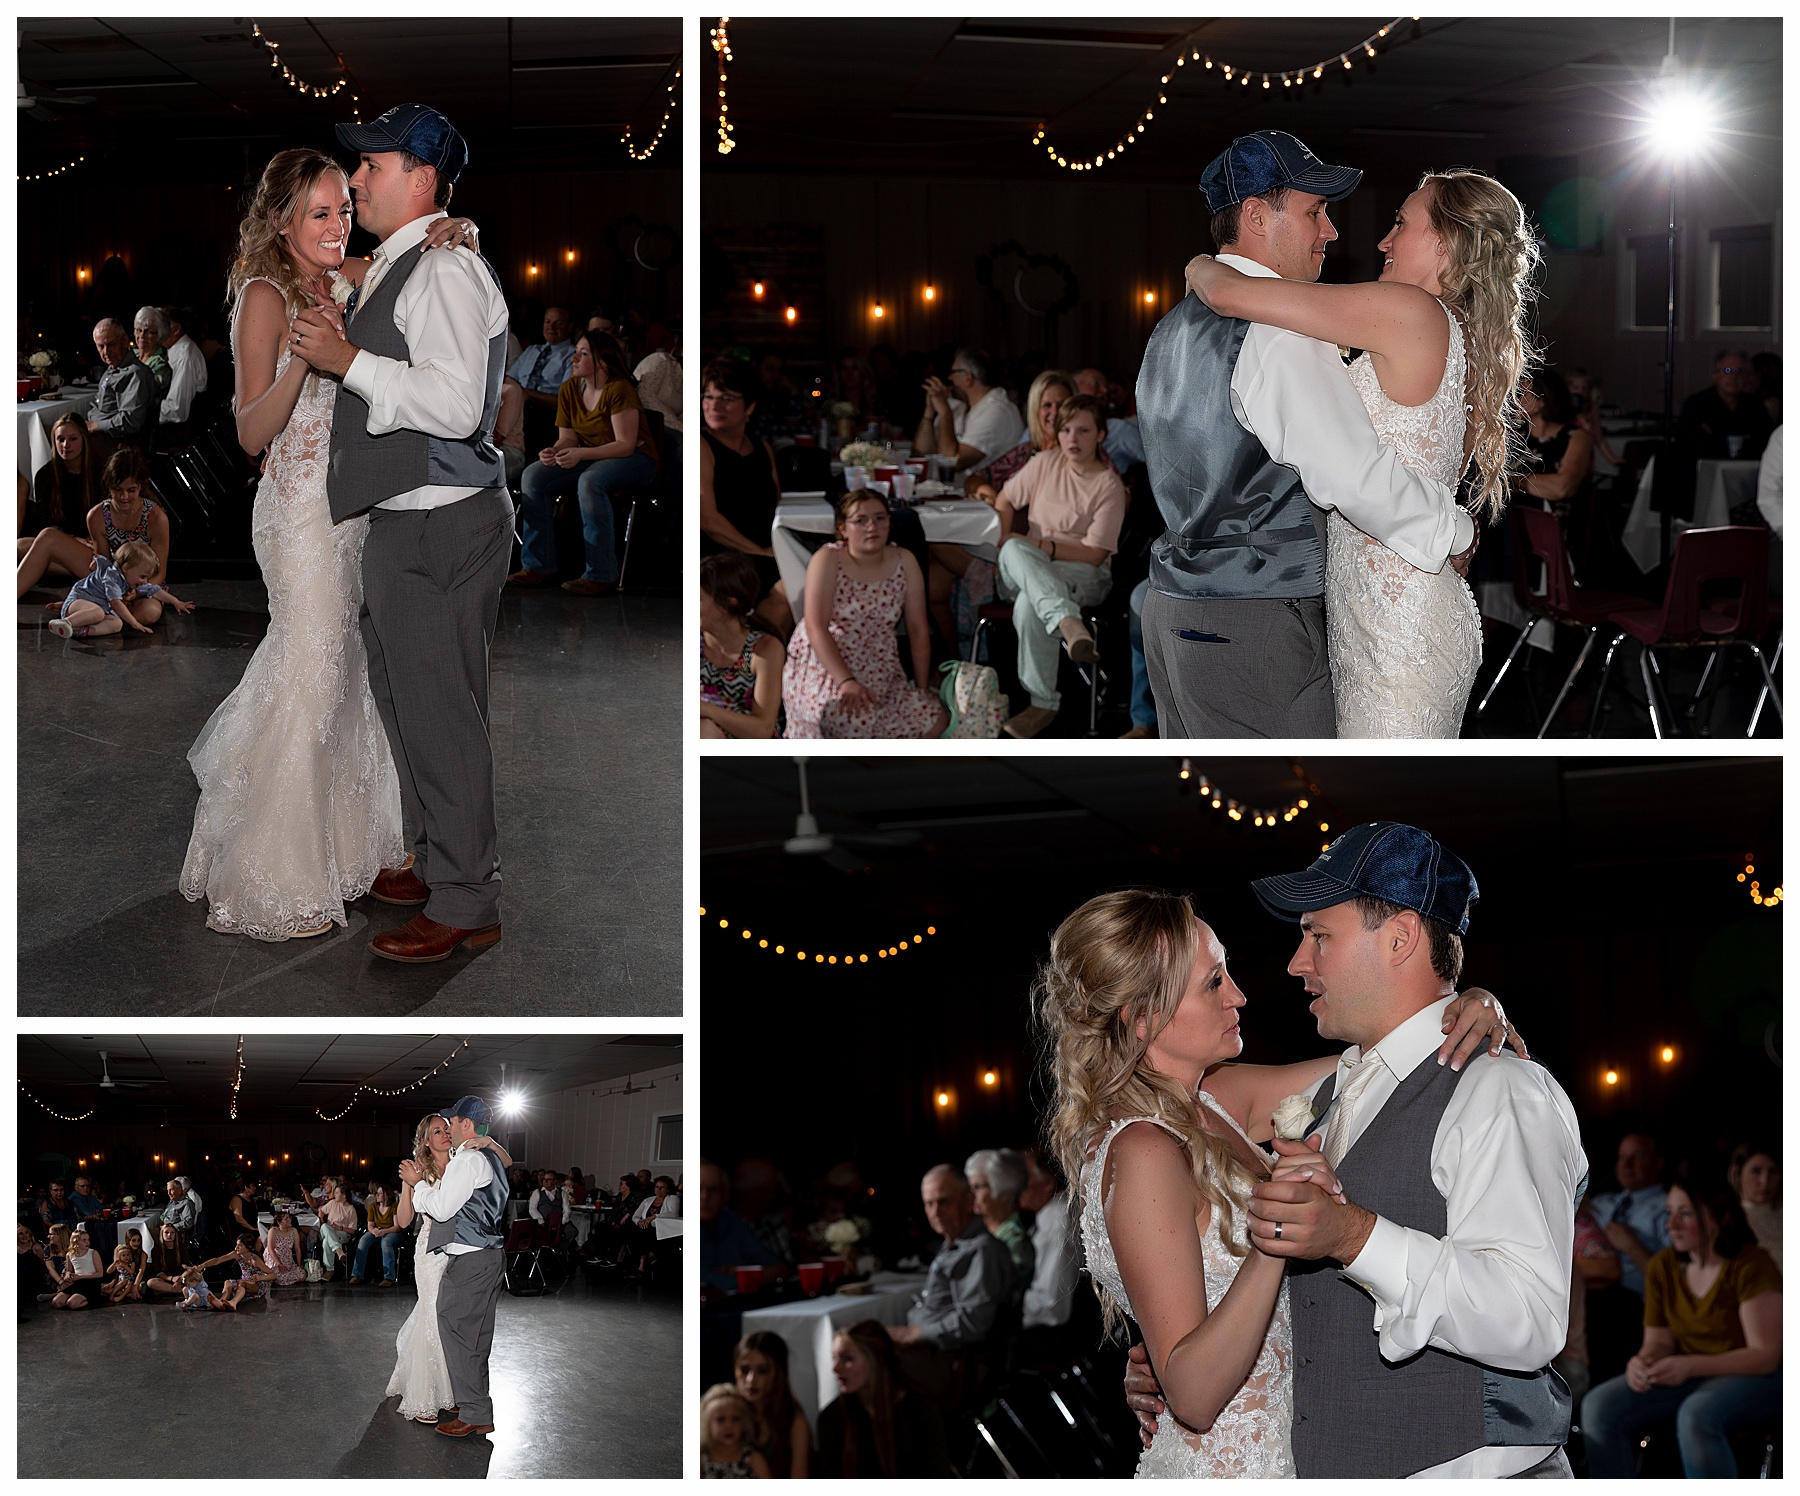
(282, 193)
(422, 1147)
(1491, 264)
(1123, 960)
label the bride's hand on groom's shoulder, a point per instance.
(1204, 275)
(452, 233)
(1475, 1018)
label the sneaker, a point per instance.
(62, 628)
(1028, 723)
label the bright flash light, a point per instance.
(511, 1103)
(1681, 120)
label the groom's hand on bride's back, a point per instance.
(1143, 1393)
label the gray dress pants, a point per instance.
(467, 1298)
(431, 603)
(1238, 667)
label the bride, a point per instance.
(421, 1379)
(1138, 1008)
(299, 802)
(1445, 350)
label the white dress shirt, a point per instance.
(441, 1201)
(991, 425)
(659, 387)
(187, 378)
(1293, 394)
(1495, 1289)
(1057, 1274)
(449, 310)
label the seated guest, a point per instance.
(1584, 400)
(775, 403)
(843, 677)
(1055, 1247)
(726, 1242)
(765, 1201)
(660, 385)
(105, 600)
(877, 1427)
(740, 662)
(997, 1177)
(337, 1226)
(541, 370)
(578, 1190)
(253, 1275)
(1596, 1265)
(1635, 1218)
(1756, 1175)
(126, 512)
(1123, 443)
(86, 1203)
(739, 488)
(58, 1209)
(124, 408)
(509, 431)
(1711, 1355)
(725, 1449)
(150, 331)
(82, 1274)
(778, 1429)
(1560, 453)
(242, 1206)
(1726, 420)
(605, 322)
(603, 446)
(281, 1250)
(856, 385)
(187, 368)
(970, 1281)
(125, 1279)
(968, 419)
(65, 488)
(383, 1234)
(169, 1259)
(37, 1283)
(1075, 506)
(663, 1201)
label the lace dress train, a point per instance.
(421, 1377)
(1404, 644)
(1253, 1435)
(299, 802)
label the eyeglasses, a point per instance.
(1731, 369)
(955, 369)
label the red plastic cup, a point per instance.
(834, 1268)
(812, 1277)
(885, 474)
(806, 439)
(749, 1279)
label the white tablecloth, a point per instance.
(964, 522)
(305, 1222)
(667, 1226)
(146, 1233)
(1719, 486)
(808, 1325)
(36, 417)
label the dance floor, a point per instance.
(585, 1382)
(586, 715)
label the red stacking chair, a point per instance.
(1718, 596)
(1538, 536)
(523, 1248)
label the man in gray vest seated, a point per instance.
(1429, 1298)
(1249, 433)
(466, 1218)
(420, 360)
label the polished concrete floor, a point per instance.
(585, 720)
(585, 1382)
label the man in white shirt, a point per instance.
(969, 419)
(1242, 425)
(187, 368)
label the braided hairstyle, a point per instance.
(1123, 960)
(1487, 278)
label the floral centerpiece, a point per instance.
(844, 1236)
(868, 455)
(43, 364)
(843, 414)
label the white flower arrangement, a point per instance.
(43, 361)
(129, 1200)
(842, 1235)
(866, 455)
(842, 410)
(1293, 1116)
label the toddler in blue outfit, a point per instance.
(96, 604)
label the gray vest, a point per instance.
(365, 470)
(482, 1220)
(1239, 523)
(1357, 1416)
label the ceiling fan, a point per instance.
(107, 1083)
(48, 110)
(832, 847)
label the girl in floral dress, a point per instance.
(843, 675)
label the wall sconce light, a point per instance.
(81, 273)
(880, 310)
(930, 292)
(531, 269)
(1149, 298)
(1611, 1078)
(793, 315)
(990, 1079)
(756, 289)
(569, 256)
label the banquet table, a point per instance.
(304, 1222)
(965, 522)
(146, 1232)
(1719, 487)
(808, 1325)
(36, 417)
(667, 1226)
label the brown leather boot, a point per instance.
(423, 939)
(461, 1430)
(399, 885)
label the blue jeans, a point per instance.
(390, 1253)
(593, 484)
(1143, 704)
(1705, 1410)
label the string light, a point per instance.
(44, 176)
(294, 80)
(1770, 900)
(237, 1079)
(398, 1090)
(656, 139)
(816, 957)
(1230, 72)
(1212, 797)
(56, 1114)
(721, 45)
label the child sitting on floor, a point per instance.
(125, 1283)
(725, 1452)
(197, 1293)
(96, 604)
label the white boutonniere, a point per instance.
(342, 288)
(1293, 1116)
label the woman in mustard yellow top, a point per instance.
(603, 446)
(1711, 1357)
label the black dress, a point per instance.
(744, 491)
(919, 1446)
(38, 507)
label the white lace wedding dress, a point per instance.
(299, 802)
(1252, 1436)
(421, 1377)
(1404, 644)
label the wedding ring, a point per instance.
(1278, 1231)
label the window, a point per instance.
(1743, 266)
(1649, 280)
(665, 1138)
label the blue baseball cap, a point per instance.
(1384, 860)
(472, 1107)
(415, 128)
(1254, 164)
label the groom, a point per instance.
(467, 1214)
(420, 362)
(1249, 433)
(1428, 1303)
